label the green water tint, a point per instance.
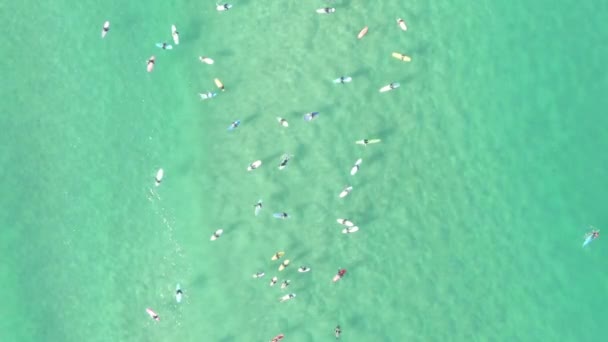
(471, 210)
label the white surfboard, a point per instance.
(389, 87)
(254, 165)
(273, 281)
(206, 60)
(345, 222)
(346, 191)
(350, 230)
(355, 167)
(105, 29)
(367, 141)
(217, 234)
(259, 275)
(159, 176)
(175, 34)
(304, 269)
(282, 122)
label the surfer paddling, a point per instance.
(273, 281)
(153, 314)
(303, 269)
(337, 332)
(277, 338)
(326, 10)
(223, 7)
(178, 294)
(105, 29)
(339, 275)
(150, 63)
(287, 297)
(257, 208)
(343, 79)
(259, 275)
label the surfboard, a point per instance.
(151, 61)
(206, 60)
(346, 191)
(159, 176)
(402, 57)
(588, 240)
(254, 165)
(388, 87)
(369, 141)
(273, 281)
(282, 122)
(285, 284)
(363, 32)
(303, 270)
(401, 24)
(217, 234)
(279, 216)
(338, 276)
(178, 294)
(355, 167)
(277, 255)
(283, 265)
(167, 46)
(105, 29)
(175, 34)
(219, 84)
(259, 275)
(345, 222)
(349, 230)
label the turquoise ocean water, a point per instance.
(472, 209)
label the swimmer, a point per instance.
(175, 34)
(282, 122)
(284, 160)
(401, 24)
(339, 275)
(105, 29)
(303, 269)
(273, 281)
(234, 125)
(345, 222)
(223, 7)
(355, 167)
(205, 60)
(337, 332)
(285, 284)
(287, 297)
(178, 294)
(257, 207)
(343, 79)
(310, 116)
(150, 63)
(326, 10)
(389, 87)
(280, 215)
(259, 275)
(159, 177)
(207, 95)
(277, 338)
(153, 314)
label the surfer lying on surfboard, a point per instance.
(343, 79)
(337, 332)
(594, 234)
(365, 142)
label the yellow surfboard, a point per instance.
(284, 264)
(219, 84)
(277, 255)
(402, 57)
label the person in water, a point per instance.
(337, 332)
(595, 234)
